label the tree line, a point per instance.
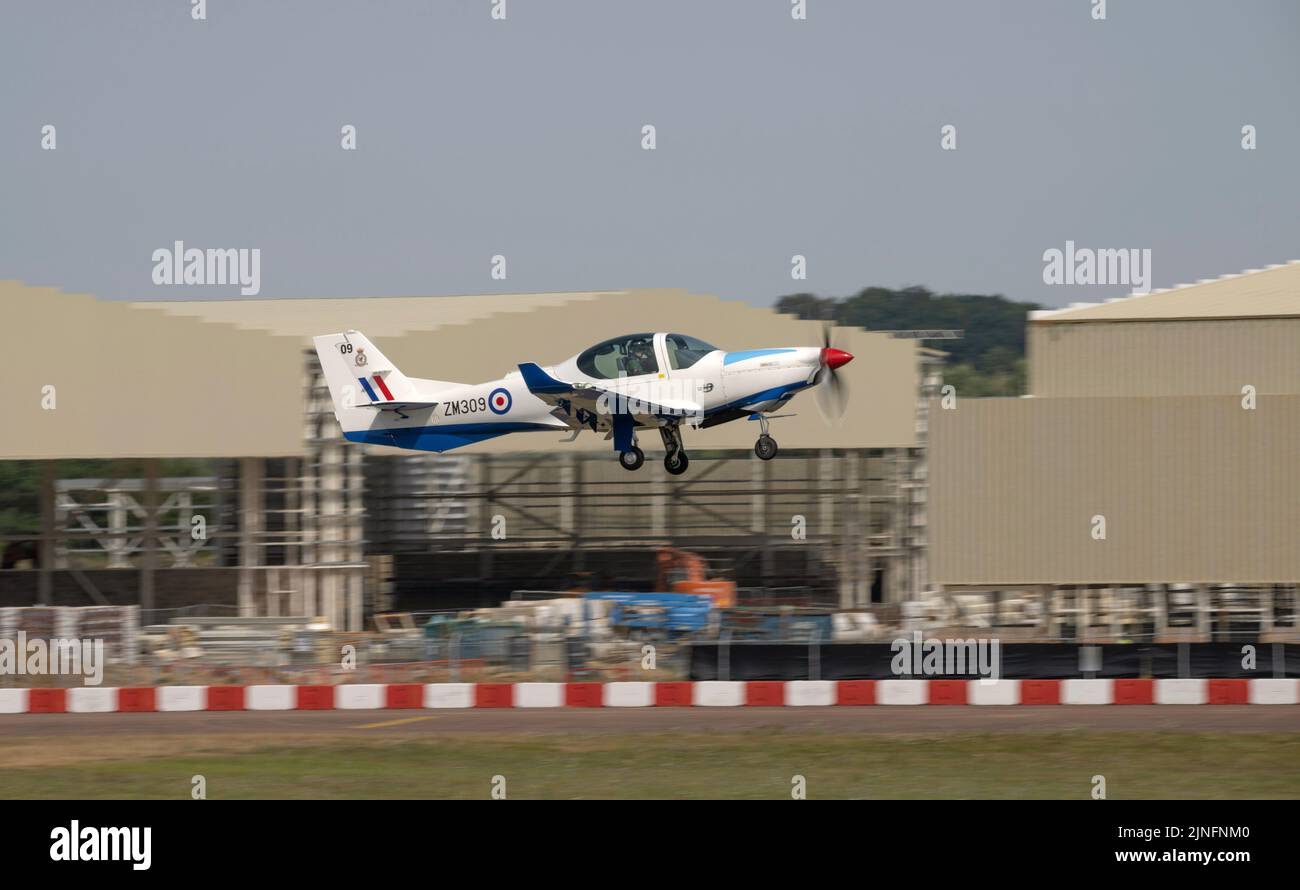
(989, 360)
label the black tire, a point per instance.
(676, 463)
(631, 460)
(765, 448)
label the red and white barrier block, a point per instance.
(700, 694)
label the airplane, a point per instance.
(620, 387)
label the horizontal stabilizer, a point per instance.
(399, 406)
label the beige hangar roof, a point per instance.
(1273, 292)
(384, 316)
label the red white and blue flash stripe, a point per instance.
(383, 387)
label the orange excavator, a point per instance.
(681, 571)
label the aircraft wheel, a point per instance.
(632, 460)
(765, 448)
(676, 462)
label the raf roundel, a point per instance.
(499, 401)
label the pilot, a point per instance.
(640, 360)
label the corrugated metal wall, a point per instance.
(1164, 358)
(1193, 489)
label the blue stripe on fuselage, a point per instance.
(365, 384)
(765, 395)
(441, 438)
(733, 357)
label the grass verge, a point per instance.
(738, 765)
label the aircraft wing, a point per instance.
(597, 399)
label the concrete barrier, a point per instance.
(92, 700)
(270, 698)
(704, 693)
(13, 701)
(1087, 692)
(181, 698)
(1276, 691)
(629, 695)
(810, 693)
(359, 696)
(539, 695)
(902, 692)
(1180, 692)
(718, 694)
(993, 692)
(449, 695)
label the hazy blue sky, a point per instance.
(775, 137)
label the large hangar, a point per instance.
(1158, 449)
(301, 522)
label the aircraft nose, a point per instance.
(835, 358)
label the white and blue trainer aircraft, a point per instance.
(620, 387)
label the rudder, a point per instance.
(358, 374)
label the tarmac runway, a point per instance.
(921, 720)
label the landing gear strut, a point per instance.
(631, 460)
(675, 461)
(765, 447)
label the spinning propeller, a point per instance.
(832, 392)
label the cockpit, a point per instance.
(684, 351)
(633, 355)
(626, 356)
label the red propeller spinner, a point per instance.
(835, 358)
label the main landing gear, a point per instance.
(675, 461)
(632, 460)
(765, 447)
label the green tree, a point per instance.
(988, 360)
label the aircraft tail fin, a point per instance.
(360, 376)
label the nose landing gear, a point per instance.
(765, 447)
